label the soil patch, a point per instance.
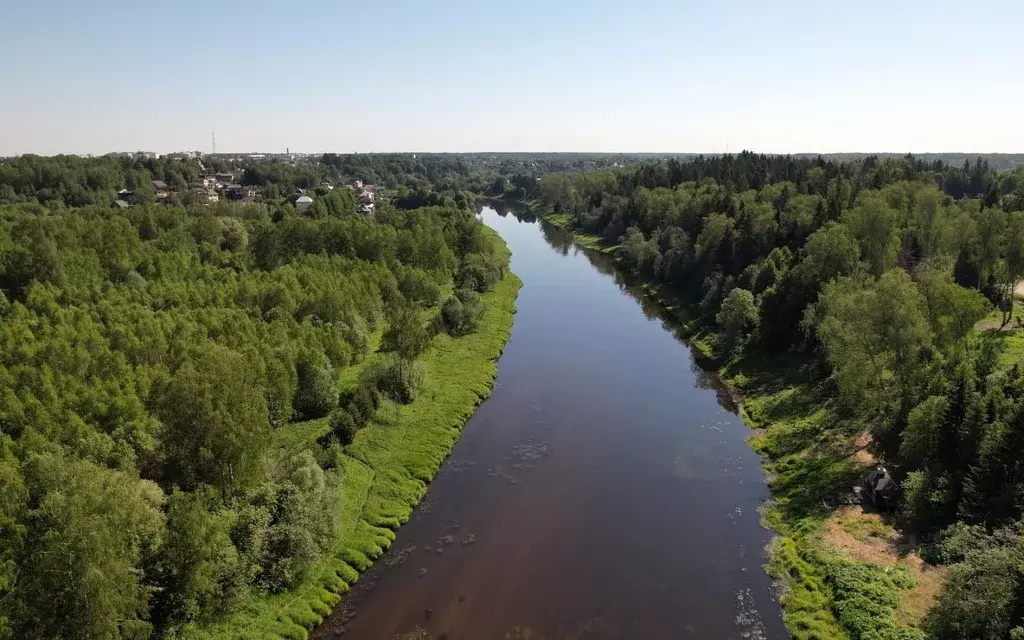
(866, 537)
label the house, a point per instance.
(206, 193)
(303, 203)
(365, 208)
(125, 194)
(355, 183)
(240, 192)
(161, 190)
(225, 178)
(119, 204)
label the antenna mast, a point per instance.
(214, 136)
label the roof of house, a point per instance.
(159, 184)
(303, 200)
(120, 204)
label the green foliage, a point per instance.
(358, 408)
(87, 532)
(737, 317)
(479, 272)
(198, 566)
(874, 334)
(302, 520)
(876, 271)
(981, 598)
(315, 396)
(215, 421)
(385, 471)
(876, 227)
(865, 597)
(417, 287)
(398, 378)
(161, 350)
(406, 334)
(461, 313)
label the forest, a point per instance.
(871, 297)
(158, 365)
(191, 390)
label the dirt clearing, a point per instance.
(865, 537)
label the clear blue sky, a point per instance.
(91, 76)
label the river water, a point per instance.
(605, 490)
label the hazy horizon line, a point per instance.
(521, 152)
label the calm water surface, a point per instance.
(605, 490)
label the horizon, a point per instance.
(456, 75)
(529, 152)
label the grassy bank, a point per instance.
(385, 473)
(564, 221)
(840, 570)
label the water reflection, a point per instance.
(503, 208)
(703, 368)
(559, 239)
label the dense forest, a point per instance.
(878, 273)
(154, 358)
(149, 358)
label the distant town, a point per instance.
(215, 186)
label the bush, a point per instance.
(979, 597)
(364, 403)
(343, 425)
(461, 313)
(398, 379)
(302, 519)
(356, 407)
(865, 599)
(479, 272)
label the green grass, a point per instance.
(593, 243)
(564, 221)
(560, 220)
(384, 474)
(1008, 342)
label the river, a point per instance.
(605, 490)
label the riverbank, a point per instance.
(385, 473)
(841, 571)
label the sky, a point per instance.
(780, 76)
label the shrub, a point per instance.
(343, 425)
(865, 598)
(398, 379)
(461, 313)
(479, 272)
